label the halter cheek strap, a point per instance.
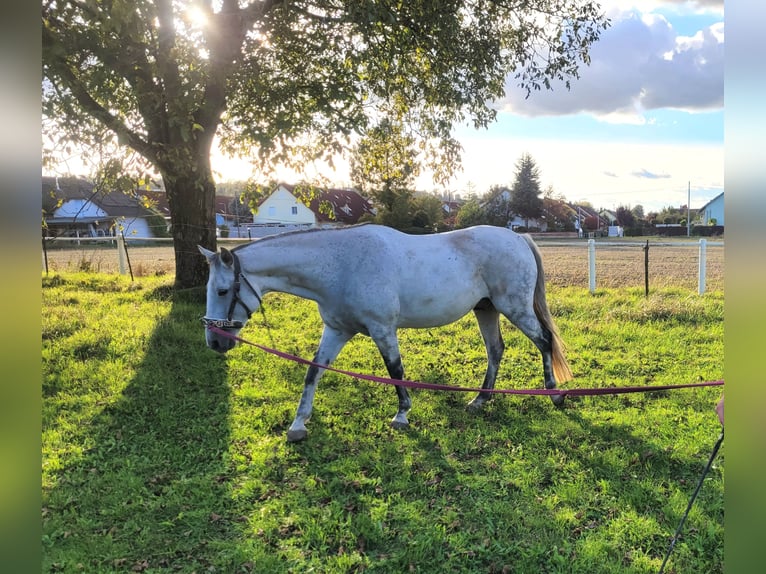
(229, 323)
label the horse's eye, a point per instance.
(222, 292)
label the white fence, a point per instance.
(701, 267)
(109, 254)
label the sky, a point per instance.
(644, 124)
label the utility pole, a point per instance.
(688, 210)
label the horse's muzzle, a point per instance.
(220, 344)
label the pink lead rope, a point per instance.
(438, 387)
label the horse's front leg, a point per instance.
(388, 345)
(489, 324)
(329, 346)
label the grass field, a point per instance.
(161, 456)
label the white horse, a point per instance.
(374, 280)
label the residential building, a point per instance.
(713, 211)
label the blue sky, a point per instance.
(642, 126)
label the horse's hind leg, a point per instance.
(529, 324)
(489, 325)
(329, 346)
(388, 345)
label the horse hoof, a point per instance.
(399, 425)
(474, 406)
(558, 400)
(297, 435)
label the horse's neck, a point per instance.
(290, 264)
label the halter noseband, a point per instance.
(229, 323)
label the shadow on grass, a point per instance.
(148, 493)
(502, 489)
(176, 479)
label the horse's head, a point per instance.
(231, 299)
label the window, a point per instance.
(294, 210)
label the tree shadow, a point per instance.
(158, 488)
(384, 510)
(149, 491)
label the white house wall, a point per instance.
(133, 227)
(79, 208)
(283, 207)
(714, 210)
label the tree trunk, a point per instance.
(191, 198)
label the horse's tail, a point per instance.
(561, 370)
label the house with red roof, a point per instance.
(327, 207)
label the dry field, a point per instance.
(566, 264)
(670, 265)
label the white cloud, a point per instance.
(640, 64)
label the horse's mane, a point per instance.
(298, 232)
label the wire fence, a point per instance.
(697, 265)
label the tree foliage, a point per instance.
(496, 205)
(384, 165)
(427, 212)
(625, 216)
(559, 216)
(470, 214)
(289, 81)
(525, 193)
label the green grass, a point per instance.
(161, 456)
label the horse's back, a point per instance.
(435, 279)
(479, 249)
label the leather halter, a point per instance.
(229, 323)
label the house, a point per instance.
(331, 207)
(73, 207)
(712, 211)
(227, 212)
(589, 220)
(450, 208)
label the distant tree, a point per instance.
(240, 209)
(625, 216)
(638, 211)
(470, 214)
(558, 214)
(669, 215)
(384, 165)
(427, 211)
(591, 223)
(497, 206)
(525, 193)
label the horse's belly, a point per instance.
(436, 311)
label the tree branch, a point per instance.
(78, 90)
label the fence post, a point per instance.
(45, 254)
(592, 265)
(702, 266)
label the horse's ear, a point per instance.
(226, 257)
(207, 253)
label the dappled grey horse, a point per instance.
(374, 280)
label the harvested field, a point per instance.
(671, 263)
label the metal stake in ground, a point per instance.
(646, 269)
(691, 501)
(127, 257)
